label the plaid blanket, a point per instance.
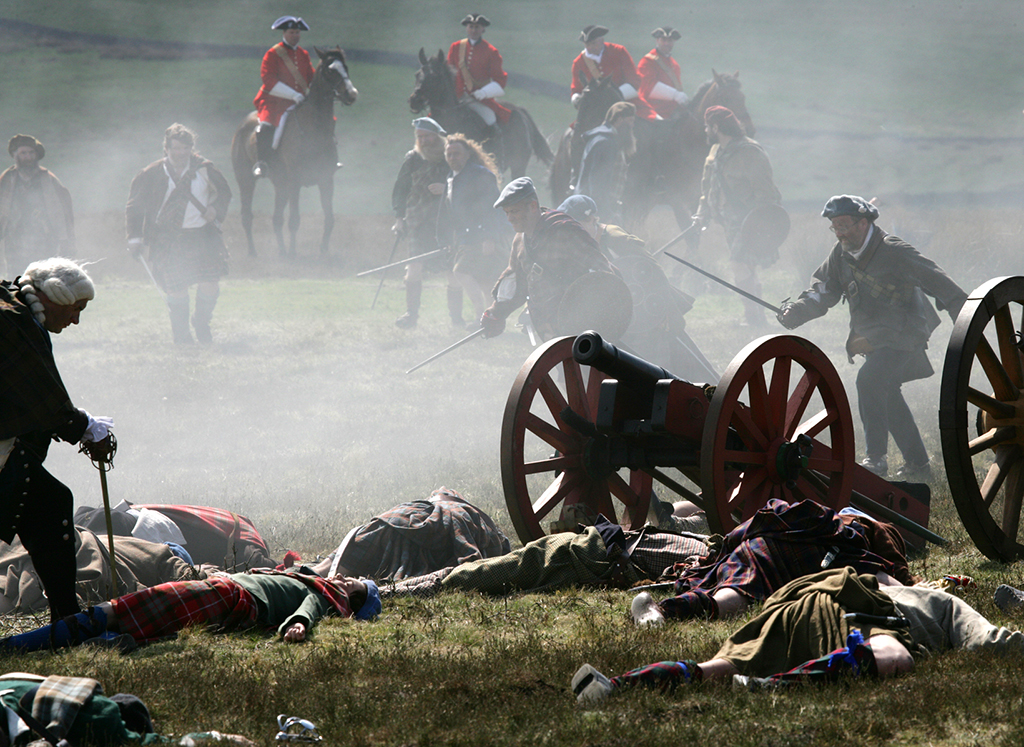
(164, 609)
(59, 699)
(419, 537)
(784, 541)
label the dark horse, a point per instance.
(516, 140)
(670, 153)
(307, 154)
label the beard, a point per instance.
(712, 138)
(433, 152)
(627, 142)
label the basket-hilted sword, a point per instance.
(730, 286)
(448, 349)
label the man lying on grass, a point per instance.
(819, 627)
(292, 601)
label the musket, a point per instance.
(693, 227)
(399, 262)
(398, 237)
(730, 286)
(448, 349)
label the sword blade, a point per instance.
(398, 237)
(447, 350)
(730, 286)
(399, 262)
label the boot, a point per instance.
(413, 291)
(202, 316)
(177, 307)
(264, 148)
(455, 307)
(73, 630)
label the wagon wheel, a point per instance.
(751, 450)
(543, 458)
(986, 472)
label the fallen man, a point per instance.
(291, 601)
(781, 542)
(416, 538)
(597, 555)
(805, 634)
(74, 710)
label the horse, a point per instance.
(307, 154)
(670, 153)
(514, 142)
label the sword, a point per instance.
(103, 462)
(399, 262)
(680, 237)
(448, 349)
(730, 286)
(398, 237)
(150, 273)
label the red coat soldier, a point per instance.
(286, 73)
(660, 82)
(599, 59)
(478, 71)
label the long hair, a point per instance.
(477, 154)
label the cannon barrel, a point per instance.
(636, 373)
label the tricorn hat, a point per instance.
(590, 33)
(668, 31)
(284, 23)
(479, 18)
(852, 205)
(20, 140)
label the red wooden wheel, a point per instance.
(980, 417)
(775, 390)
(544, 461)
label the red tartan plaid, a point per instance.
(164, 609)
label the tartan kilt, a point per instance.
(159, 611)
(190, 256)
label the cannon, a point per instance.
(589, 428)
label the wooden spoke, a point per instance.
(560, 439)
(993, 367)
(990, 440)
(553, 464)
(991, 405)
(1008, 352)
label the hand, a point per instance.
(399, 227)
(97, 428)
(681, 97)
(135, 248)
(296, 633)
(479, 94)
(100, 451)
(786, 316)
(493, 325)
(299, 98)
(576, 100)
(437, 188)
(210, 215)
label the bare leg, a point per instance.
(891, 656)
(718, 669)
(730, 603)
(476, 294)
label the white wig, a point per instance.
(63, 281)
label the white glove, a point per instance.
(491, 91)
(97, 429)
(284, 91)
(681, 97)
(576, 99)
(628, 92)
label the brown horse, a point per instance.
(670, 153)
(514, 142)
(306, 156)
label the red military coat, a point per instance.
(276, 70)
(655, 68)
(483, 61)
(616, 62)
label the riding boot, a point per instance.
(455, 307)
(202, 316)
(264, 148)
(413, 291)
(177, 307)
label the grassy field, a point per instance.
(300, 415)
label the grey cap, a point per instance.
(426, 123)
(515, 191)
(851, 205)
(578, 207)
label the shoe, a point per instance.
(879, 467)
(120, 642)
(590, 686)
(645, 611)
(1008, 599)
(915, 472)
(405, 321)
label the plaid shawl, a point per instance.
(419, 537)
(335, 597)
(59, 699)
(784, 541)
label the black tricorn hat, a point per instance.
(479, 18)
(284, 23)
(668, 31)
(589, 33)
